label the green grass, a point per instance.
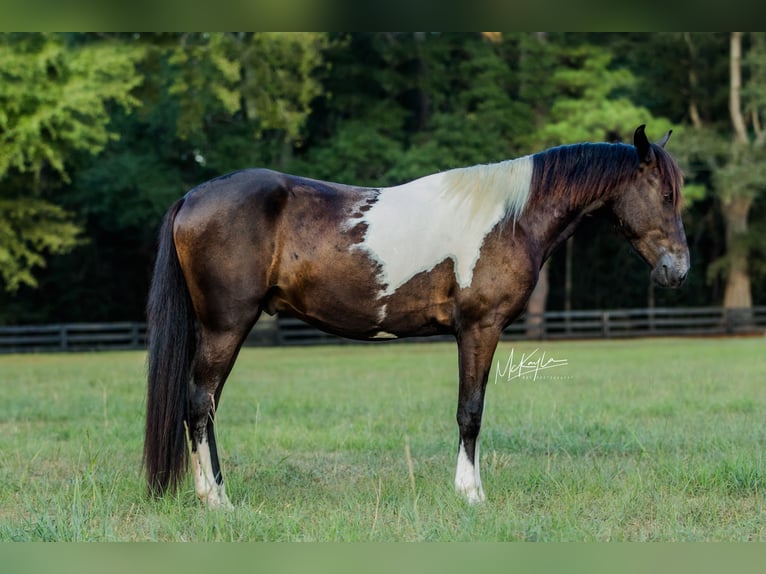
(632, 440)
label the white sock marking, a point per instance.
(205, 485)
(467, 476)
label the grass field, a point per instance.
(630, 440)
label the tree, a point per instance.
(29, 228)
(593, 102)
(280, 83)
(400, 106)
(732, 155)
(358, 124)
(56, 94)
(465, 110)
(204, 110)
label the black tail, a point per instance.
(172, 334)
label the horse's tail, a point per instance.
(172, 344)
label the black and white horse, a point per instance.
(454, 252)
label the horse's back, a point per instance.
(262, 197)
(224, 198)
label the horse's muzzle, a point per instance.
(671, 270)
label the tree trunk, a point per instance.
(568, 280)
(736, 208)
(735, 89)
(538, 300)
(694, 113)
(735, 212)
(536, 305)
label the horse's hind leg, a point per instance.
(215, 358)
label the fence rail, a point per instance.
(73, 337)
(289, 331)
(683, 321)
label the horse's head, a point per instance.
(649, 212)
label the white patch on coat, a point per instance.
(382, 313)
(384, 335)
(413, 227)
(467, 476)
(205, 485)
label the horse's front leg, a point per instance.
(476, 346)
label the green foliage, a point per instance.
(55, 98)
(427, 102)
(360, 153)
(744, 175)
(592, 100)
(124, 190)
(734, 169)
(205, 78)
(280, 79)
(693, 192)
(360, 124)
(754, 61)
(474, 116)
(30, 228)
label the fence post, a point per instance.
(63, 337)
(728, 320)
(605, 324)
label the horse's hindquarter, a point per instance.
(225, 240)
(316, 273)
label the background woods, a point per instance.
(99, 133)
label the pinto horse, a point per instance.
(454, 252)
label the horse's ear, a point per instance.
(665, 139)
(642, 144)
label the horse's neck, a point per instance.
(570, 182)
(552, 221)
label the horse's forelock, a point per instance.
(671, 175)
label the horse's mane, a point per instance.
(588, 171)
(580, 173)
(485, 186)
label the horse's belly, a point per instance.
(355, 310)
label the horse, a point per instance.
(456, 252)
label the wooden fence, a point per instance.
(680, 321)
(73, 337)
(552, 325)
(289, 331)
